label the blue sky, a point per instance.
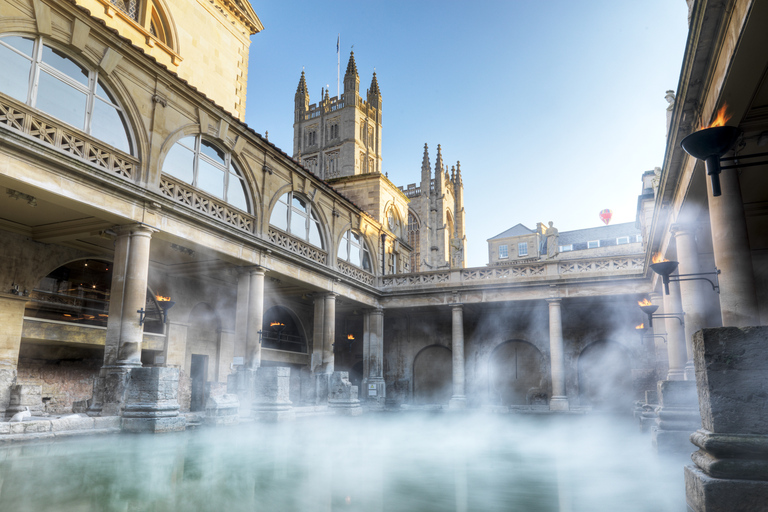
(554, 108)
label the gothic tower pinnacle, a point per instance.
(351, 78)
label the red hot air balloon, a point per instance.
(605, 216)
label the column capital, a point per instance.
(554, 300)
(457, 305)
(134, 229)
(256, 270)
(375, 311)
(681, 229)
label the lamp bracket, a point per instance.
(678, 316)
(142, 315)
(690, 277)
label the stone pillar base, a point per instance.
(272, 395)
(346, 407)
(375, 394)
(457, 403)
(559, 403)
(114, 388)
(707, 494)
(690, 371)
(678, 417)
(671, 442)
(151, 401)
(25, 397)
(322, 382)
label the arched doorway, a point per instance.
(518, 374)
(605, 376)
(281, 331)
(433, 375)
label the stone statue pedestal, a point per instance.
(731, 466)
(151, 401)
(271, 395)
(23, 396)
(342, 395)
(678, 417)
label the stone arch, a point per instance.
(290, 337)
(604, 376)
(325, 232)
(433, 375)
(369, 247)
(517, 374)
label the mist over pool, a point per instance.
(385, 462)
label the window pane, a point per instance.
(107, 125)
(354, 256)
(236, 192)
(103, 94)
(64, 64)
(298, 225)
(212, 151)
(343, 247)
(298, 203)
(61, 100)
(279, 216)
(180, 163)
(314, 235)
(14, 80)
(210, 178)
(366, 261)
(22, 44)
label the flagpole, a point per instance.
(338, 64)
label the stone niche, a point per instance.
(151, 401)
(731, 466)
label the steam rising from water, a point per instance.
(392, 463)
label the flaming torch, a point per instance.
(710, 143)
(664, 268)
(164, 303)
(278, 327)
(649, 309)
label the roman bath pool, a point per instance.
(375, 463)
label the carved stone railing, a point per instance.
(601, 265)
(216, 208)
(416, 279)
(20, 118)
(296, 246)
(551, 270)
(355, 273)
(485, 273)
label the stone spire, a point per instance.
(351, 78)
(301, 99)
(374, 89)
(426, 172)
(302, 88)
(453, 174)
(439, 172)
(458, 173)
(374, 94)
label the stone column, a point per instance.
(731, 466)
(329, 331)
(459, 399)
(738, 300)
(675, 333)
(374, 390)
(255, 318)
(692, 292)
(559, 400)
(124, 335)
(12, 321)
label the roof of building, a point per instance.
(516, 230)
(598, 233)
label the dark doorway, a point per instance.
(433, 376)
(605, 377)
(199, 375)
(517, 374)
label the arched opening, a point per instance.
(433, 376)
(296, 215)
(353, 249)
(79, 292)
(605, 376)
(518, 374)
(281, 331)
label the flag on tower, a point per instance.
(338, 37)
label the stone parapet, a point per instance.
(151, 401)
(271, 394)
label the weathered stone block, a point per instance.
(25, 397)
(706, 494)
(677, 393)
(271, 397)
(342, 395)
(5, 428)
(322, 383)
(732, 378)
(222, 410)
(106, 422)
(151, 401)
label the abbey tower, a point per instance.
(339, 139)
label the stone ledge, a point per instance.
(706, 494)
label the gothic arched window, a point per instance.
(352, 249)
(150, 16)
(414, 241)
(296, 215)
(204, 165)
(47, 79)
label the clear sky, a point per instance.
(554, 108)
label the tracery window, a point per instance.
(296, 215)
(353, 250)
(47, 79)
(204, 165)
